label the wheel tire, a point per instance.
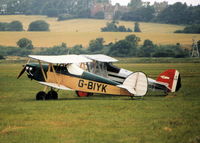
(52, 95)
(82, 94)
(41, 95)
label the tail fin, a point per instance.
(171, 78)
(136, 84)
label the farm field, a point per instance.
(81, 31)
(154, 119)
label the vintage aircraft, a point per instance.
(88, 74)
(168, 81)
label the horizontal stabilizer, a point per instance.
(54, 85)
(136, 84)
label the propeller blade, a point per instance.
(21, 73)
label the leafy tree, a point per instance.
(133, 39)
(65, 17)
(1, 57)
(195, 29)
(122, 48)
(96, 45)
(56, 50)
(198, 44)
(117, 15)
(3, 26)
(135, 4)
(14, 51)
(51, 12)
(39, 25)
(99, 15)
(25, 44)
(77, 49)
(112, 27)
(13, 26)
(125, 48)
(137, 27)
(175, 14)
(147, 49)
(122, 28)
(170, 51)
(141, 14)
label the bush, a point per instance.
(147, 49)
(14, 51)
(99, 15)
(112, 27)
(25, 44)
(121, 48)
(3, 26)
(137, 27)
(170, 51)
(56, 50)
(1, 57)
(95, 46)
(39, 25)
(194, 29)
(125, 48)
(13, 26)
(65, 17)
(78, 49)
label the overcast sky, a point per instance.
(193, 2)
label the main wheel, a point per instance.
(52, 95)
(41, 95)
(83, 94)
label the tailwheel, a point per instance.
(52, 95)
(83, 94)
(41, 95)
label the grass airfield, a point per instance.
(154, 119)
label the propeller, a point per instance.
(22, 71)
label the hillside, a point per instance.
(81, 31)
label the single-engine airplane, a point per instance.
(88, 74)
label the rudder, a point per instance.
(171, 78)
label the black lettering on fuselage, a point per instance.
(92, 85)
(104, 88)
(98, 86)
(81, 83)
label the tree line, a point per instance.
(128, 47)
(38, 25)
(177, 13)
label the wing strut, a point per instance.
(45, 78)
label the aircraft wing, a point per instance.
(54, 85)
(101, 58)
(61, 59)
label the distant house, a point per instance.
(108, 9)
(3, 9)
(97, 7)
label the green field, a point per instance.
(106, 119)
